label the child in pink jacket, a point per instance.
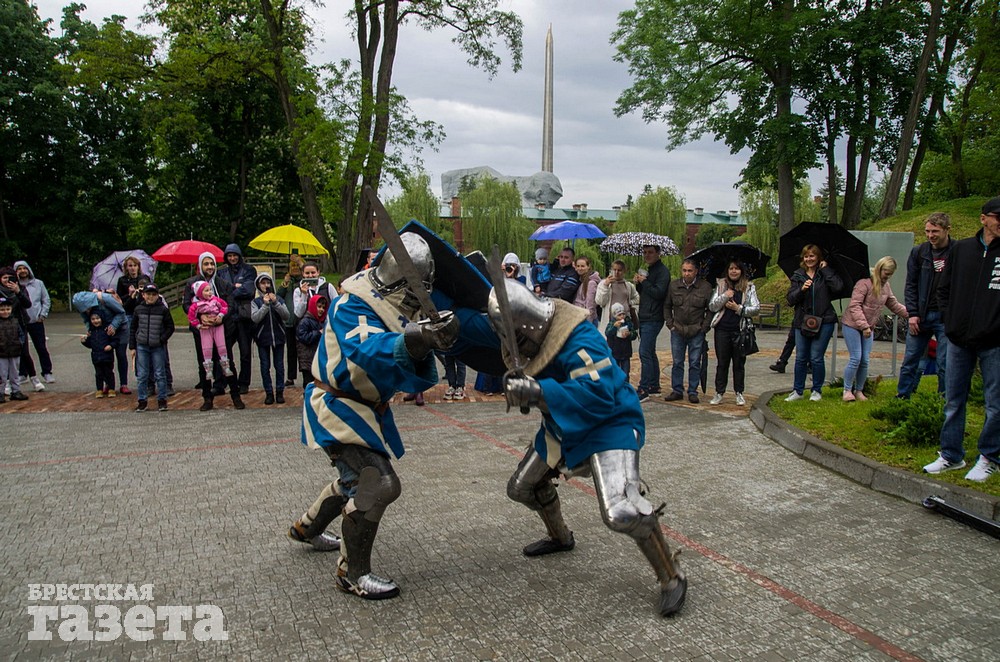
(867, 300)
(205, 314)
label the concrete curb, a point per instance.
(909, 486)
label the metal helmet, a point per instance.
(388, 277)
(532, 315)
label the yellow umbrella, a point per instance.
(284, 238)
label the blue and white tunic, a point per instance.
(362, 356)
(592, 407)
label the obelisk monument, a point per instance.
(547, 106)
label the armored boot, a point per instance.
(560, 537)
(673, 583)
(311, 527)
(356, 549)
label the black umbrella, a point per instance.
(843, 252)
(714, 260)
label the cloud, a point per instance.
(599, 158)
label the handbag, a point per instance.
(811, 324)
(746, 339)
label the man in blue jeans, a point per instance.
(970, 304)
(685, 313)
(923, 273)
(651, 283)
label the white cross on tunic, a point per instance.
(362, 329)
(589, 367)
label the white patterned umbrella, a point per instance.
(631, 243)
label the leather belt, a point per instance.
(379, 407)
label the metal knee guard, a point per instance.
(376, 488)
(624, 509)
(532, 485)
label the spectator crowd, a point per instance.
(230, 308)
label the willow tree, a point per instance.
(418, 202)
(660, 211)
(492, 214)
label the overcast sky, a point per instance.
(599, 158)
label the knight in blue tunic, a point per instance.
(372, 346)
(592, 424)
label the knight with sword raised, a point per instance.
(592, 425)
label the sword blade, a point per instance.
(506, 316)
(391, 236)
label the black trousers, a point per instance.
(725, 353)
(104, 376)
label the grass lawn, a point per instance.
(850, 425)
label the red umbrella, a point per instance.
(186, 251)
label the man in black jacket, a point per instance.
(969, 297)
(923, 272)
(150, 328)
(565, 281)
(651, 283)
(241, 277)
(685, 313)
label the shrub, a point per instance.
(916, 422)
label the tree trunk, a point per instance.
(241, 205)
(910, 123)
(310, 197)
(936, 108)
(783, 96)
(831, 171)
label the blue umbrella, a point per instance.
(567, 230)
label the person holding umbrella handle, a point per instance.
(811, 294)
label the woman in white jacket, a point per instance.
(735, 298)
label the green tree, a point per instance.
(728, 69)
(709, 233)
(478, 24)
(73, 149)
(962, 158)
(759, 207)
(418, 202)
(659, 211)
(492, 214)
(229, 164)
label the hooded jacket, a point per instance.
(972, 316)
(241, 278)
(308, 333)
(221, 287)
(19, 301)
(269, 317)
(37, 292)
(98, 338)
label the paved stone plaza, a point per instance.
(786, 560)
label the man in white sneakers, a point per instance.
(969, 298)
